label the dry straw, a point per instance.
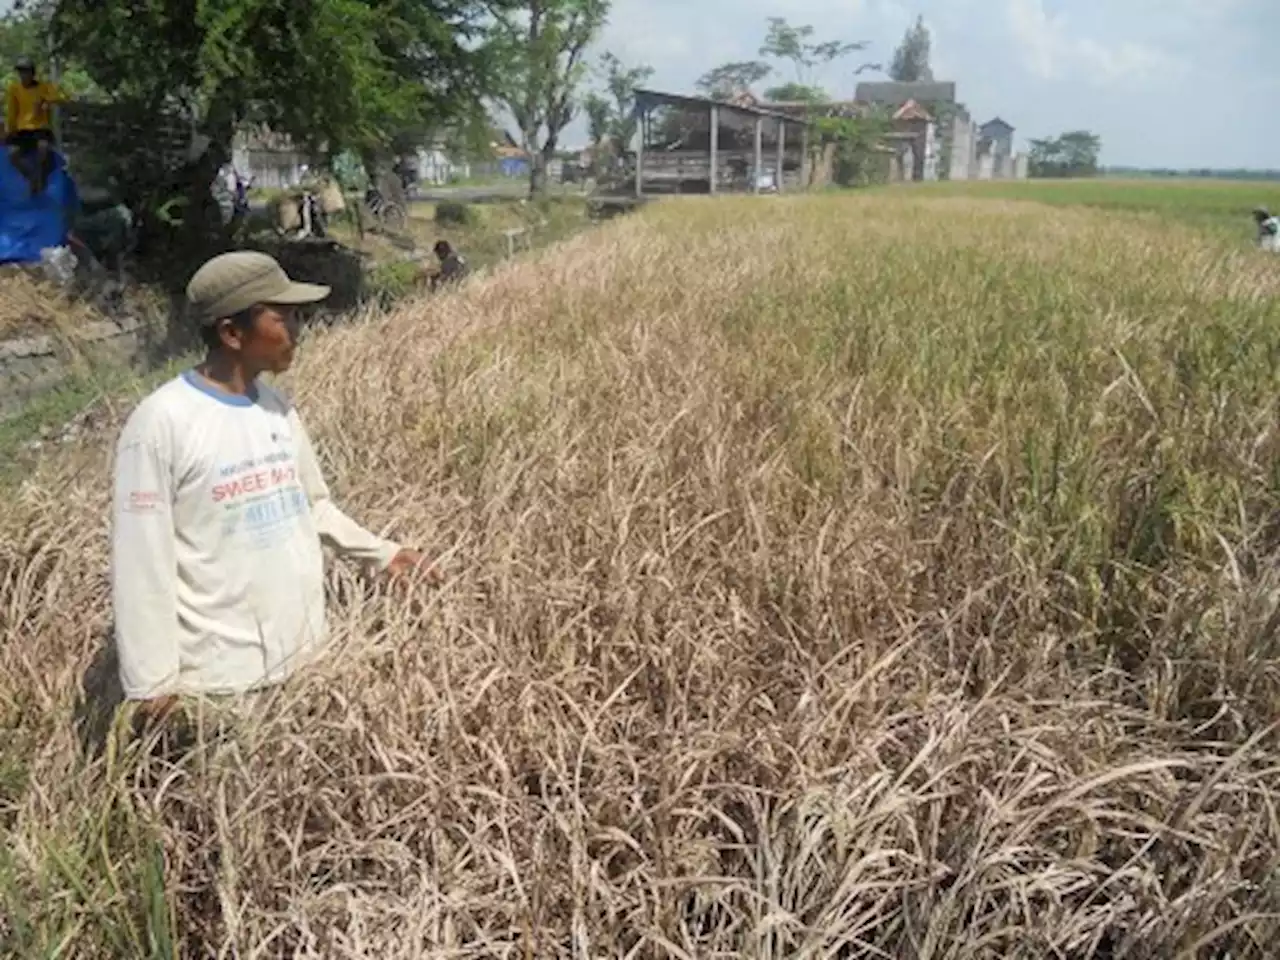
(825, 578)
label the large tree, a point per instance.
(599, 112)
(543, 47)
(795, 44)
(786, 42)
(621, 81)
(331, 74)
(911, 59)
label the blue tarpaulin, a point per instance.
(514, 167)
(30, 224)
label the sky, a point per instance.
(1165, 83)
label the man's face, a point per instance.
(268, 345)
(27, 76)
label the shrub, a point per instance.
(454, 213)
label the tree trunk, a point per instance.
(537, 176)
(540, 162)
(373, 164)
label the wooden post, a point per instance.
(715, 147)
(782, 145)
(804, 157)
(759, 169)
(641, 133)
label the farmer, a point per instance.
(453, 268)
(28, 122)
(1268, 230)
(220, 508)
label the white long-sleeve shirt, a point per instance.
(1269, 234)
(219, 514)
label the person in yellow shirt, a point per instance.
(28, 122)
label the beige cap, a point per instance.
(232, 282)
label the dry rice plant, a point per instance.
(827, 578)
(29, 305)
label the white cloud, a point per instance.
(1051, 50)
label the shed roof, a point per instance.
(996, 124)
(891, 93)
(648, 99)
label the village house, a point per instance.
(971, 152)
(933, 137)
(270, 159)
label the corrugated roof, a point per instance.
(648, 99)
(891, 93)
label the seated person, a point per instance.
(453, 267)
(28, 123)
(1268, 230)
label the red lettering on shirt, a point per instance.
(143, 501)
(258, 482)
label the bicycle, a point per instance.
(386, 213)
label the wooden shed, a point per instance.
(702, 145)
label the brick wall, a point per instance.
(103, 139)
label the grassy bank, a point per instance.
(374, 270)
(826, 577)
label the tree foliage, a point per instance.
(1073, 154)
(783, 42)
(599, 113)
(911, 59)
(543, 46)
(25, 31)
(371, 76)
(856, 140)
(331, 74)
(621, 81)
(730, 79)
(795, 44)
(796, 93)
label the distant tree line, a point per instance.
(1207, 173)
(1073, 154)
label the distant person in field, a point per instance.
(1268, 230)
(28, 122)
(220, 507)
(453, 268)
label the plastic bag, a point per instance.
(59, 265)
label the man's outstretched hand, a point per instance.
(157, 709)
(408, 562)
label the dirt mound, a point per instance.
(30, 305)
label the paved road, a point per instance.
(515, 190)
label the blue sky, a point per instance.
(1179, 83)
